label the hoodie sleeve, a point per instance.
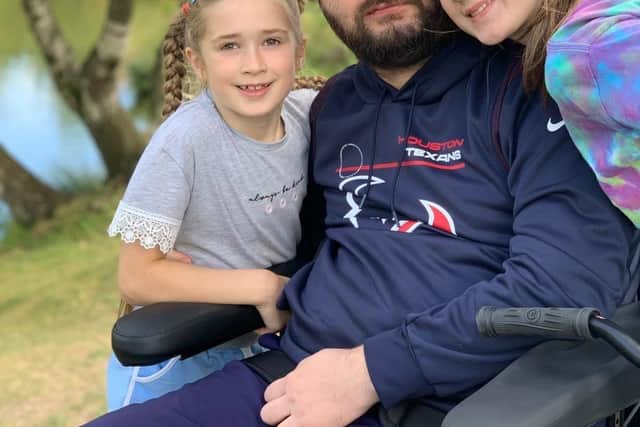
(569, 248)
(592, 69)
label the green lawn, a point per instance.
(58, 301)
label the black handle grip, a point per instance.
(536, 321)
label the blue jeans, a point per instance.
(136, 384)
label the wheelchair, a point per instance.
(558, 383)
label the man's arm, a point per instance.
(569, 248)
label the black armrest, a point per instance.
(160, 331)
(557, 384)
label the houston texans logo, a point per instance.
(352, 215)
(438, 217)
(406, 226)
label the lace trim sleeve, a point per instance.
(149, 229)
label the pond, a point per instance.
(38, 130)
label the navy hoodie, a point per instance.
(454, 192)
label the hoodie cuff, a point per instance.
(393, 369)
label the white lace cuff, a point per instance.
(149, 229)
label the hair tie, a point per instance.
(185, 8)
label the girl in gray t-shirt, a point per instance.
(221, 180)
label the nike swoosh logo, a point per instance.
(554, 127)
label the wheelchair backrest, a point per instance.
(634, 269)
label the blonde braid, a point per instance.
(174, 65)
(309, 82)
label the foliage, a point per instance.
(81, 23)
(326, 55)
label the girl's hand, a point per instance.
(273, 318)
(174, 255)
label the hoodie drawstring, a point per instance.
(375, 143)
(409, 127)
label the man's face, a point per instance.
(387, 33)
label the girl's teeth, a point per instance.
(253, 87)
(479, 10)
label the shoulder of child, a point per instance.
(301, 100)
(186, 126)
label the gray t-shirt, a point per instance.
(224, 199)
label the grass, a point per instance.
(57, 303)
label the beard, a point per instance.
(401, 44)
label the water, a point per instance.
(39, 131)
(37, 128)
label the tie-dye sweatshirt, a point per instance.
(593, 73)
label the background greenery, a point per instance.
(58, 295)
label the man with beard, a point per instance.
(441, 188)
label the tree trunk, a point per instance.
(29, 199)
(90, 89)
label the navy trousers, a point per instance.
(231, 397)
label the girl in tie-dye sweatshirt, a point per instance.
(591, 66)
(593, 73)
